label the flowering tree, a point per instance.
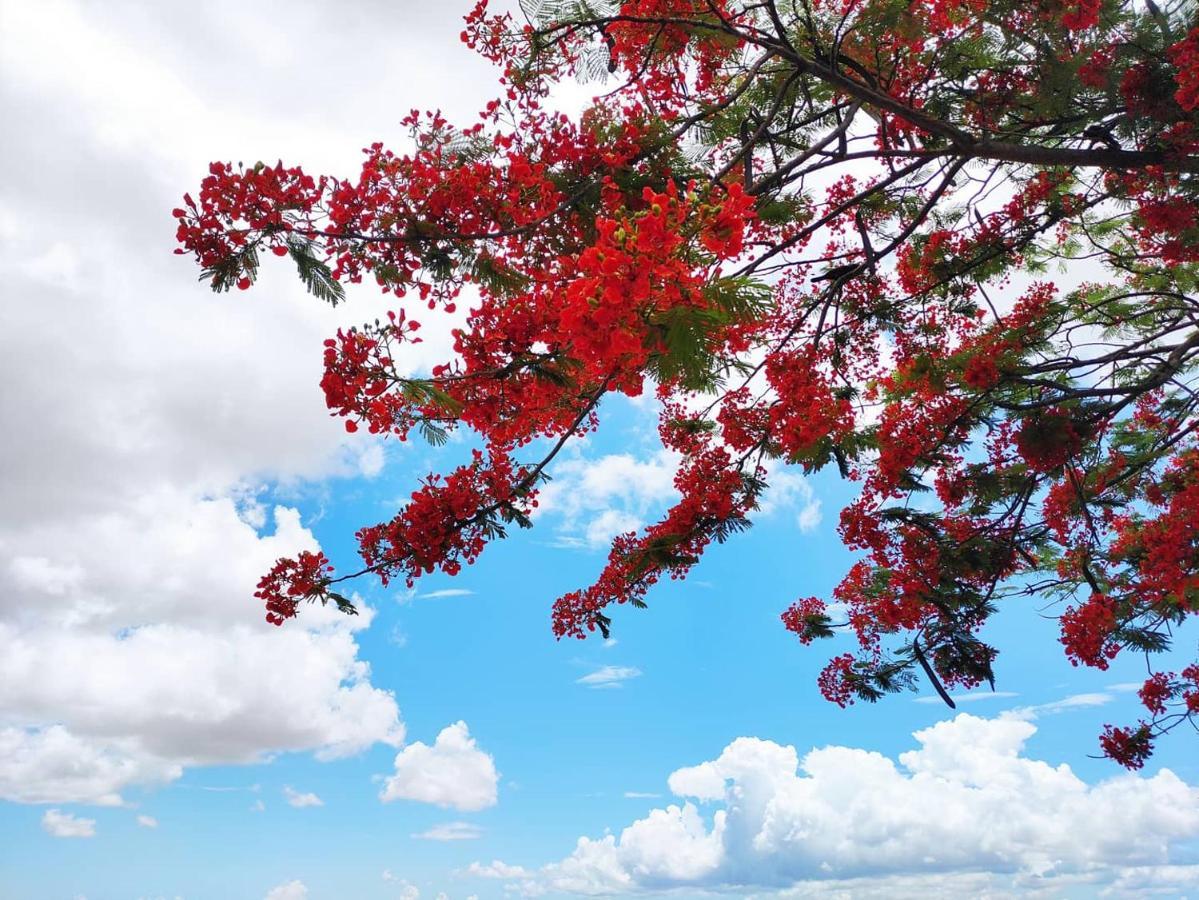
(820, 231)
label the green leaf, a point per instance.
(317, 276)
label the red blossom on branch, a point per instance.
(810, 259)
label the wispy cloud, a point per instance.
(411, 596)
(446, 592)
(641, 795)
(1074, 701)
(609, 676)
(147, 821)
(451, 831)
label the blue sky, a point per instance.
(158, 740)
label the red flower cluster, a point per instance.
(1130, 747)
(448, 521)
(1185, 57)
(1088, 632)
(291, 581)
(836, 680)
(807, 618)
(715, 494)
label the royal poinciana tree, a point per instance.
(948, 247)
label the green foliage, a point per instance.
(315, 275)
(231, 269)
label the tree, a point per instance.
(821, 232)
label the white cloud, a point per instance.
(290, 890)
(300, 800)
(608, 524)
(1074, 701)
(451, 831)
(966, 801)
(181, 668)
(790, 492)
(447, 592)
(609, 676)
(596, 499)
(496, 869)
(1148, 881)
(640, 795)
(147, 821)
(408, 891)
(67, 825)
(453, 772)
(163, 696)
(147, 410)
(52, 765)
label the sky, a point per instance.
(163, 445)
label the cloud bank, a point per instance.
(966, 810)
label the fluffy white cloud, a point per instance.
(453, 772)
(451, 831)
(146, 410)
(290, 890)
(609, 676)
(52, 765)
(300, 800)
(67, 825)
(156, 595)
(965, 801)
(159, 697)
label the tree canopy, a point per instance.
(950, 247)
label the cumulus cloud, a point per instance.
(148, 411)
(52, 765)
(290, 890)
(159, 697)
(966, 800)
(609, 676)
(300, 800)
(67, 825)
(156, 595)
(453, 772)
(451, 831)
